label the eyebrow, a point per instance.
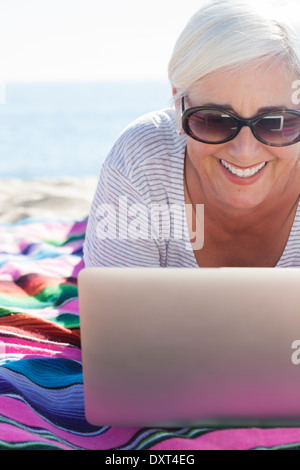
(228, 107)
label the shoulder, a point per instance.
(150, 140)
(156, 126)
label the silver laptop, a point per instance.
(190, 347)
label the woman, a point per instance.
(215, 181)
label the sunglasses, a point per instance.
(211, 125)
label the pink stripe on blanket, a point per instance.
(48, 230)
(33, 349)
(17, 435)
(103, 439)
(64, 266)
(234, 439)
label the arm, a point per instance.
(120, 229)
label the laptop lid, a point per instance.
(180, 346)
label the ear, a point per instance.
(178, 112)
(176, 99)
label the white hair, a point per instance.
(231, 34)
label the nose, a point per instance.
(244, 147)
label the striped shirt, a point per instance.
(138, 215)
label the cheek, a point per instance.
(298, 155)
(199, 152)
(290, 156)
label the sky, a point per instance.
(89, 40)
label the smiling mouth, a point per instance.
(247, 173)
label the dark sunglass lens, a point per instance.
(212, 125)
(278, 128)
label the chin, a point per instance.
(245, 203)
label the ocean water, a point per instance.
(58, 129)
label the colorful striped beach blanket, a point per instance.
(41, 390)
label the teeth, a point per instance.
(243, 173)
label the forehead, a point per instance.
(247, 90)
